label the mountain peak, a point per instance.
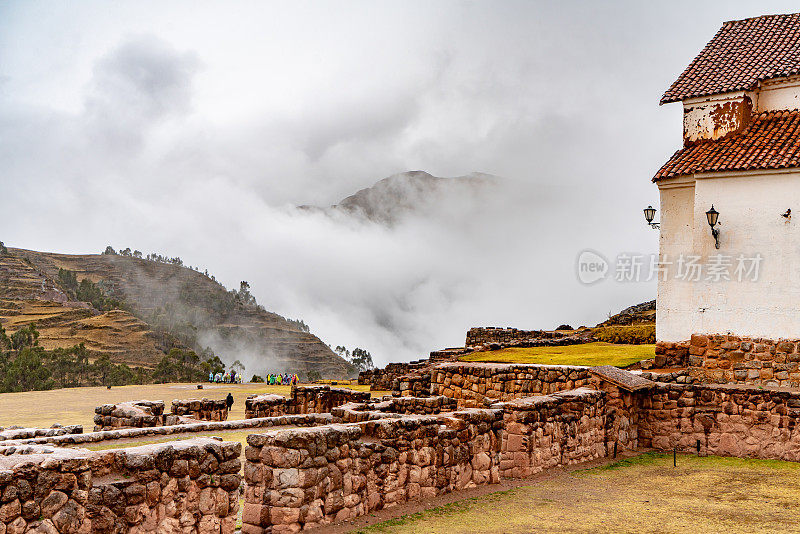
(392, 198)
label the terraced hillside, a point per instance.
(29, 296)
(167, 303)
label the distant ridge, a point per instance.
(197, 309)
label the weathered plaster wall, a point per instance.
(779, 94)
(715, 116)
(673, 305)
(751, 207)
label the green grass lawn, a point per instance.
(585, 354)
(643, 494)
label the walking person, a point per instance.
(229, 401)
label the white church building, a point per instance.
(739, 168)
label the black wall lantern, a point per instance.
(713, 216)
(649, 215)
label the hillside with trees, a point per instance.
(137, 309)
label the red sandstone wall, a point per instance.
(302, 400)
(363, 467)
(190, 486)
(743, 360)
(550, 431)
(482, 384)
(727, 420)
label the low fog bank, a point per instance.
(504, 257)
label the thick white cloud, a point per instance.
(192, 128)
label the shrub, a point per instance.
(257, 379)
(626, 335)
(313, 376)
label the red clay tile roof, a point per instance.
(742, 53)
(770, 141)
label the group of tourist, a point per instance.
(229, 377)
(282, 379)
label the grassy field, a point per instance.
(586, 354)
(645, 494)
(75, 406)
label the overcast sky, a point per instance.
(193, 128)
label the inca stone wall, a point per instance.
(742, 360)
(548, 431)
(505, 336)
(298, 479)
(302, 400)
(415, 385)
(67, 440)
(322, 399)
(476, 384)
(391, 407)
(201, 409)
(669, 354)
(132, 414)
(189, 486)
(726, 420)
(515, 421)
(146, 413)
(387, 379)
(621, 412)
(47, 490)
(17, 433)
(269, 405)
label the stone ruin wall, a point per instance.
(391, 450)
(671, 355)
(742, 360)
(548, 431)
(190, 486)
(389, 407)
(387, 379)
(131, 414)
(414, 385)
(298, 479)
(412, 378)
(505, 336)
(726, 420)
(201, 409)
(475, 384)
(19, 433)
(621, 414)
(302, 400)
(146, 413)
(67, 440)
